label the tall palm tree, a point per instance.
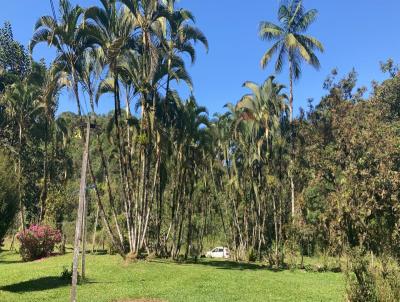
(66, 37)
(293, 44)
(111, 29)
(150, 20)
(149, 17)
(179, 38)
(50, 89)
(263, 108)
(192, 122)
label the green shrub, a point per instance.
(252, 256)
(388, 279)
(360, 279)
(66, 275)
(373, 280)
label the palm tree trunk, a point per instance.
(153, 188)
(291, 92)
(43, 195)
(21, 205)
(115, 242)
(167, 88)
(109, 190)
(291, 141)
(96, 221)
(76, 89)
(160, 212)
(190, 226)
(179, 238)
(276, 232)
(122, 159)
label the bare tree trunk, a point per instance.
(96, 221)
(84, 236)
(78, 228)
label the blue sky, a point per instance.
(355, 33)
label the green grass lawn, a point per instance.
(110, 279)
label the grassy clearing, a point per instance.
(111, 279)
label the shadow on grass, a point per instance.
(44, 283)
(226, 265)
(10, 261)
(6, 253)
(233, 265)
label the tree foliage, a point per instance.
(8, 196)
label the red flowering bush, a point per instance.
(38, 242)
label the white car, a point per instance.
(218, 252)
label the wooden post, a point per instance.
(79, 220)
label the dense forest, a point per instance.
(159, 176)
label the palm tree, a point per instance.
(66, 37)
(263, 110)
(89, 68)
(111, 29)
(179, 39)
(50, 89)
(149, 16)
(293, 44)
(263, 106)
(191, 124)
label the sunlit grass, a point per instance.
(110, 279)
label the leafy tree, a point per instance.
(14, 58)
(21, 101)
(8, 195)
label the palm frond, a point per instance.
(305, 20)
(269, 31)
(268, 55)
